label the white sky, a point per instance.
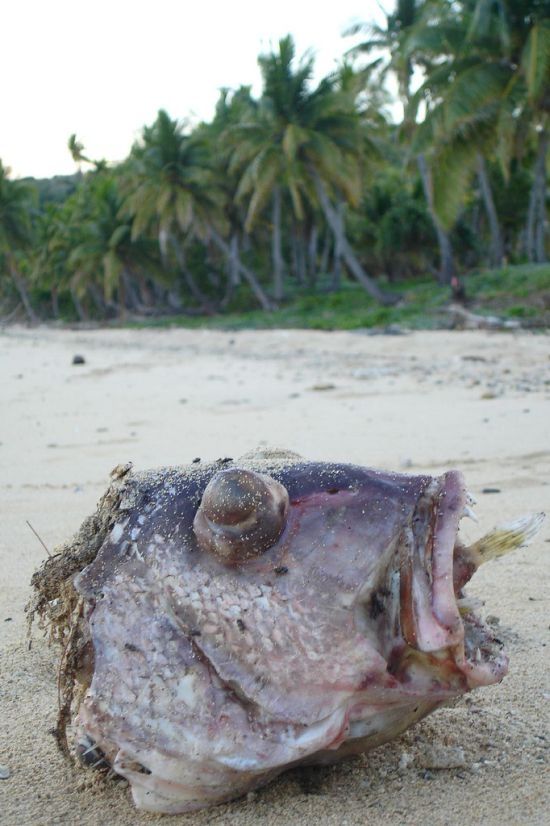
(102, 69)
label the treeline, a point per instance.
(309, 183)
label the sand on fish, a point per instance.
(426, 401)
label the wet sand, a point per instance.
(422, 402)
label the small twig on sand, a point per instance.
(38, 537)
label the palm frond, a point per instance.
(293, 138)
(536, 60)
(452, 170)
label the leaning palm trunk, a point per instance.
(446, 269)
(21, 289)
(276, 248)
(299, 265)
(132, 293)
(325, 252)
(247, 274)
(301, 256)
(312, 254)
(233, 263)
(190, 282)
(337, 256)
(54, 297)
(536, 217)
(78, 305)
(497, 246)
(233, 276)
(344, 246)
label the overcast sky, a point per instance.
(102, 69)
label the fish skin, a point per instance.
(211, 677)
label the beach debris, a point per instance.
(222, 621)
(463, 319)
(120, 471)
(38, 537)
(319, 388)
(388, 330)
(4, 772)
(78, 359)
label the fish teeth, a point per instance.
(467, 511)
(467, 605)
(470, 498)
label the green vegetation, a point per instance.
(308, 206)
(423, 304)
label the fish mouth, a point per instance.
(435, 616)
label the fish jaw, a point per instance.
(431, 620)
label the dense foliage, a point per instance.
(311, 184)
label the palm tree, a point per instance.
(391, 39)
(104, 253)
(263, 152)
(77, 150)
(15, 231)
(231, 109)
(303, 143)
(487, 93)
(170, 188)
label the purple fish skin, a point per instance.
(322, 624)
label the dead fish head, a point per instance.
(249, 617)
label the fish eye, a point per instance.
(242, 513)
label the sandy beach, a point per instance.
(426, 401)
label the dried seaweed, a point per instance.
(58, 608)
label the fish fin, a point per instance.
(505, 538)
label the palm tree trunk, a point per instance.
(497, 247)
(446, 269)
(192, 285)
(102, 305)
(312, 254)
(323, 265)
(301, 255)
(80, 311)
(164, 239)
(144, 291)
(348, 255)
(21, 289)
(234, 276)
(132, 295)
(276, 249)
(122, 294)
(54, 295)
(536, 217)
(247, 274)
(337, 257)
(232, 270)
(297, 253)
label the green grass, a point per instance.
(521, 292)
